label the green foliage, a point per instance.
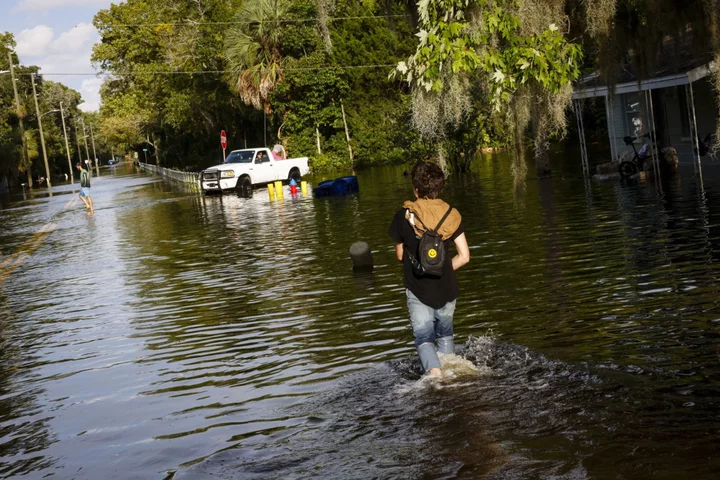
(50, 97)
(496, 45)
(462, 36)
(10, 153)
(445, 42)
(253, 50)
(309, 97)
(547, 60)
(178, 117)
(480, 73)
(322, 163)
(307, 101)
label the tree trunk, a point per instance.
(323, 14)
(542, 146)
(542, 163)
(157, 155)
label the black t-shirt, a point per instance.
(434, 292)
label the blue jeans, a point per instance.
(430, 325)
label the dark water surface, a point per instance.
(172, 335)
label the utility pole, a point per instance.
(87, 150)
(265, 128)
(92, 136)
(42, 137)
(20, 119)
(77, 140)
(67, 146)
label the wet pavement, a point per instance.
(173, 335)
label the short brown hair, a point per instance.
(429, 179)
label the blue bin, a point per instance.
(324, 189)
(337, 188)
(346, 185)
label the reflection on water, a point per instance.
(187, 336)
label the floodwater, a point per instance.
(173, 335)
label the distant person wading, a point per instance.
(430, 282)
(85, 187)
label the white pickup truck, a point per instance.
(252, 166)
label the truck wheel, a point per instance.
(295, 175)
(244, 187)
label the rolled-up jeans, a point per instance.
(430, 325)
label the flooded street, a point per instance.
(173, 335)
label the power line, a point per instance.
(205, 72)
(231, 22)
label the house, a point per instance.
(678, 104)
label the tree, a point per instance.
(10, 154)
(253, 49)
(17, 154)
(155, 97)
(514, 50)
(52, 94)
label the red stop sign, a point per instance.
(223, 139)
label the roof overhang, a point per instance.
(651, 84)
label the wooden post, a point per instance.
(347, 135)
(361, 256)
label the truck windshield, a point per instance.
(242, 156)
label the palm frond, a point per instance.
(253, 49)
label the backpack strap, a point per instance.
(442, 220)
(416, 217)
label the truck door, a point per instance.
(264, 169)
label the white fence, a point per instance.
(189, 178)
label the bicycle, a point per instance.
(628, 168)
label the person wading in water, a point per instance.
(431, 287)
(85, 188)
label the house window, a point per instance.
(634, 114)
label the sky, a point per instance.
(58, 36)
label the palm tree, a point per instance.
(253, 51)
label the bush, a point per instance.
(325, 163)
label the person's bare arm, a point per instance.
(399, 251)
(463, 253)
